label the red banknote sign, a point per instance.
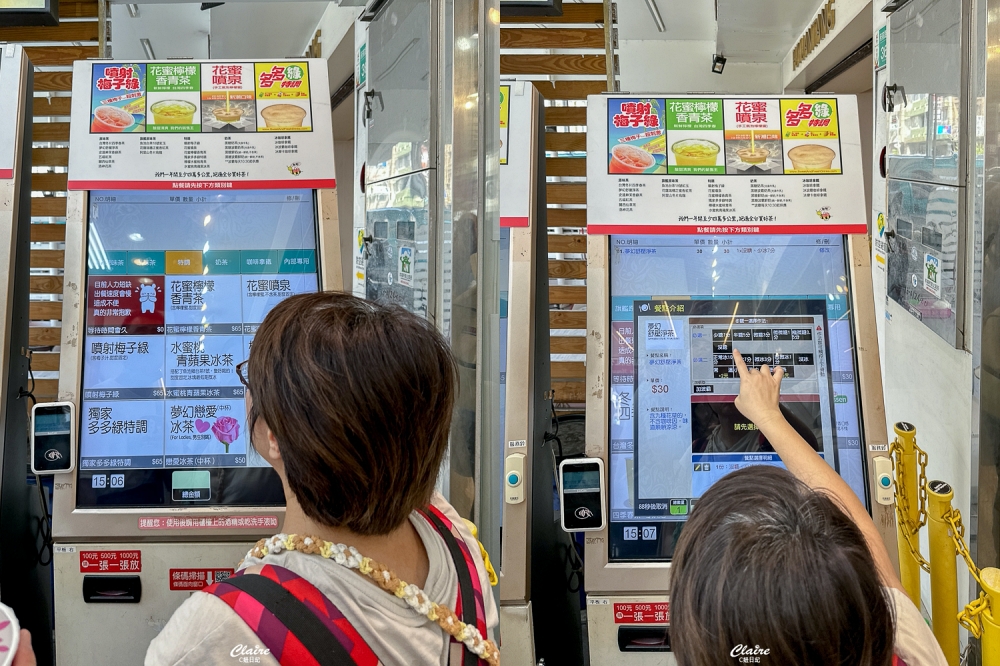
(658, 613)
(125, 304)
(110, 561)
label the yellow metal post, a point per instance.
(990, 582)
(944, 572)
(906, 486)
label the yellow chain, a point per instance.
(910, 530)
(969, 617)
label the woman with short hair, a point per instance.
(350, 401)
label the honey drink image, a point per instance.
(173, 112)
(696, 152)
(230, 115)
(753, 155)
(281, 116)
(630, 159)
(111, 119)
(812, 157)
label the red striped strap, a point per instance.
(280, 639)
(468, 575)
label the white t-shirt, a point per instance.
(914, 643)
(205, 630)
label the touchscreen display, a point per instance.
(680, 306)
(177, 285)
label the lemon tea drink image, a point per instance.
(283, 115)
(630, 159)
(695, 152)
(173, 112)
(811, 157)
(111, 119)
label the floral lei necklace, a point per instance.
(414, 597)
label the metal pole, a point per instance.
(906, 485)
(944, 572)
(991, 622)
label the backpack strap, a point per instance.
(293, 619)
(470, 606)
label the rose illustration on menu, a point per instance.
(227, 430)
(118, 98)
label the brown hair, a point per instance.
(359, 397)
(769, 564)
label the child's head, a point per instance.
(766, 562)
(351, 402)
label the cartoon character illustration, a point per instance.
(932, 271)
(147, 297)
(824, 213)
(295, 168)
(404, 263)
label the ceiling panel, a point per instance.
(683, 20)
(264, 29)
(762, 30)
(173, 31)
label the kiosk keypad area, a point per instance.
(674, 427)
(174, 298)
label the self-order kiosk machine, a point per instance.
(196, 205)
(717, 223)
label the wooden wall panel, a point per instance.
(49, 56)
(580, 29)
(572, 13)
(50, 132)
(53, 48)
(77, 31)
(552, 64)
(48, 206)
(52, 106)
(565, 141)
(569, 89)
(567, 217)
(568, 244)
(552, 38)
(50, 157)
(54, 81)
(48, 233)
(566, 115)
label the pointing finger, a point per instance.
(741, 366)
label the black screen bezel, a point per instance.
(669, 540)
(152, 487)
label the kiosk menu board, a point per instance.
(176, 287)
(724, 165)
(680, 306)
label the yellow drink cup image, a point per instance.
(753, 155)
(695, 152)
(283, 115)
(173, 112)
(230, 115)
(811, 157)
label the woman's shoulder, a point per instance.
(204, 630)
(914, 644)
(475, 552)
